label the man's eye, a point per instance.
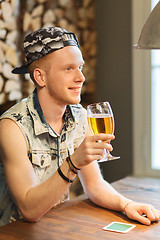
(69, 68)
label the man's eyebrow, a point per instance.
(72, 64)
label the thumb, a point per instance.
(142, 219)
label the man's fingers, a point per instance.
(143, 213)
(102, 145)
(102, 137)
(152, 214)
(142, 219)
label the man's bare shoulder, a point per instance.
(7, 124)
(11, 138)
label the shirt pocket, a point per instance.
(44, 164)
(41, 159)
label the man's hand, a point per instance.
(92, 148)
(143, 213)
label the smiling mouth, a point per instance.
(76, 89)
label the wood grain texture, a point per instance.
(81, 219)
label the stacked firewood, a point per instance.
(10, 88)
(19, 17)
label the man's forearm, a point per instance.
(40, 198)
(106, 196)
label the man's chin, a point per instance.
(75, 102)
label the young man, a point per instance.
(45, 141)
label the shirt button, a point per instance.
(53, 157)
(42, 160)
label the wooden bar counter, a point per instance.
(81, 219)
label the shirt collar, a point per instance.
(40, 124)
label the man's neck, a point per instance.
(53, 112)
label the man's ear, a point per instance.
(39, 77)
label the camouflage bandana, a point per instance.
(44, 41)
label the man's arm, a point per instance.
(103, 194)
(31, 198)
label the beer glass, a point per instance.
(101, 120)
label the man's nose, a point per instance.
(80, 77)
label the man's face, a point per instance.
(64, 78)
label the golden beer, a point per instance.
(100, 123)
